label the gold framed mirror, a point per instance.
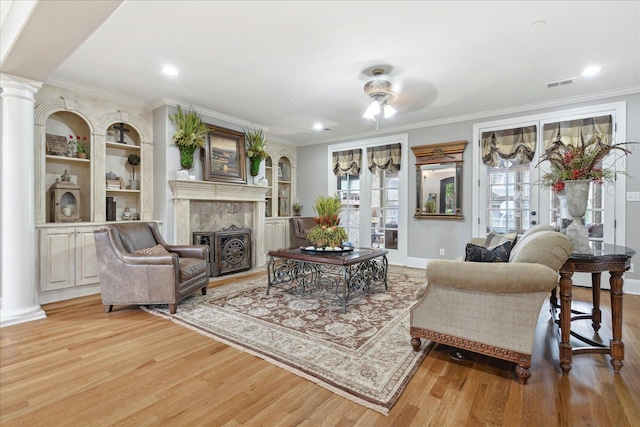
(439, 180)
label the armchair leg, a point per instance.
(204, 290)
(415, 343)
(173, 308)
(108, 308)
(522, 371)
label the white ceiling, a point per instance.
(286, 65)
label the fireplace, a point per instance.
(207, 207)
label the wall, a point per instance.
(427, 237)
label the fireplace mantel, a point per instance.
(184, 191)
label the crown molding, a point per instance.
(209, 113)
(90, 90)
(490, 113)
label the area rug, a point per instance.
(364, 355)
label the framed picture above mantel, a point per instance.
(224, 156)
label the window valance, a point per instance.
(568, 132)
(347, 162)
(385, 157)
(518, 144)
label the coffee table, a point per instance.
(335, 275)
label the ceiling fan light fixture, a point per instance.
(372, 111)
(381, 93)
(389, 111)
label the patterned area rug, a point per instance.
(364, 355)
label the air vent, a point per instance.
(561, 82)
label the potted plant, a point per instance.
(430, 205)
(133, 160)
(256, 143)
(327, 232)
(190, 134)
(82, 148)
(297, 207)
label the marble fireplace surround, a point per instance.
(189, 197)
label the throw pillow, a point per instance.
(495, 239)
(153, 250)
(481, 254)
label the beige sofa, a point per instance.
(491, 308)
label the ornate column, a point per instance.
(17, 189)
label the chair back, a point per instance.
(134, 235)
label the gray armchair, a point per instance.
(137, 266)
(298, 229)
(491, 308)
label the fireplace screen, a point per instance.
(230, 249)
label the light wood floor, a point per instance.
(82, 367)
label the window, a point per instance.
(510, 197)
(375, 198)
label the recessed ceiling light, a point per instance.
(317, 126)
(170, 70)
(591, 70)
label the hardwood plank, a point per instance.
(81, 366)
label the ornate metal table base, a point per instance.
(338, 282)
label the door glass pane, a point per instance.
(509, 197)
(384, 209)
(349, 194)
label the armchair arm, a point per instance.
(189, 251)
(491, 276)
(141, 259)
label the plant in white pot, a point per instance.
(133, 160)
(190, 134)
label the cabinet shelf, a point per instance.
(117, 145)
(62, 159)
(122, 190)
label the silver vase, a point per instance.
(577, 192)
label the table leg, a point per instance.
(596, 315)
(565, 321)
(345, 280)
(270, 266)
(616, 345)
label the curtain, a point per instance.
(385, 157)
(568, 132)
(347, 162)
(518, 144)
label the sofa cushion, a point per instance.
(477, 253)
(496, 239)
(153, 250)
(548, 248)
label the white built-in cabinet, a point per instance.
(66, 263)
(280, 172)
(69, 257)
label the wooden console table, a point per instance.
(614, 259)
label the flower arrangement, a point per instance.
(256, 143)
(327, 232)
(582, 160)
(190, 134)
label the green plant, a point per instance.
(81, 147)
(133, 160)
(579, 160)
(297, 207)
(256, 143)
(430, 206)
(327, 232)
(190, 134)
